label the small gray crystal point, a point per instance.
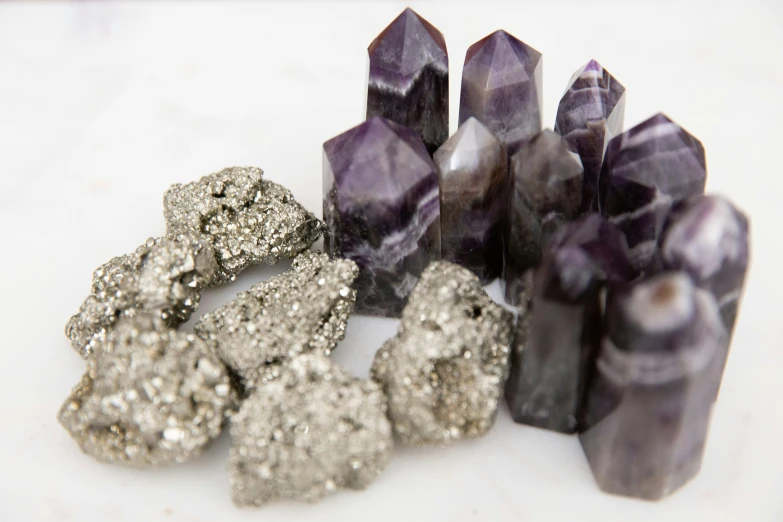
(151, 396)
(246, 219)
(408, 80)
(304, 310)
(164, 276)
(313, 430)
(648, 407)
(444, 371)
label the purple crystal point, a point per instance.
(645, 170)
(501, 87)
(708, 237)
(409, 78)
(648, 403)
(473, 193)
(382, 210)
(546, 189)
(591, 113)
(558, 331)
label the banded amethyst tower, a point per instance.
(546, 190)
(708, 237)
(501, 87)
(591, 112)
(382, 210)
(558, 331)
(473, 174)
(409, 78)
(649, 400)
(645, 170)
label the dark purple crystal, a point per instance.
(408, 80)
(645, 170)
(648, 403)
(591, 113)
(546, 190)
(558, 331)
(382, 210)
(473, 198)
(501, 87)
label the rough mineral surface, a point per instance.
(502, 88)
(546, 190)
(590, 114)
(303, 310)
(408, 80)
(650, 398)
(313, 430)
(246, 219)
(382, 210)
(645, 170)
(559, 327)
(150, 396)
(164, 275)
(444, 371)
(473, 197)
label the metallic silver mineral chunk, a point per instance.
(444, 371)
(246, 219)
(303, 310)
(313, 430)
(151, 396)
(164, 275)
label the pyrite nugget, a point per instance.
(246, 219)
(408, 80)
(303, 310)
(444, 371)
(151, 396)
(164, 275)
(649, 401)
(309, 432)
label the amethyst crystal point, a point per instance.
(409, 78)
(707, 237)
(473, 194)
(648, 404)
(501, 87)
(646, 169)
(546, 180)
(382, 210)
(558, 332)
(591, 113)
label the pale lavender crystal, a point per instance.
(473, 197)
(591, 112)
(649, 400)
(502, 87)
(382, 210)
(408, 78)
(546, 190)
(645, 170)
(708, 237)
(558, 331)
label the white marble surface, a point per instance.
(102, 106)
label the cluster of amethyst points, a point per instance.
(627, 277)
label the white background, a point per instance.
(103, 106)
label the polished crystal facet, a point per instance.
(591, 112)
(409, 78)
(546, 189)
(382, 210)
(502, 88)
(649, 400)
(473, 197)
(558, 330)
(708, 237)
(444, 370)
(645, 170)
